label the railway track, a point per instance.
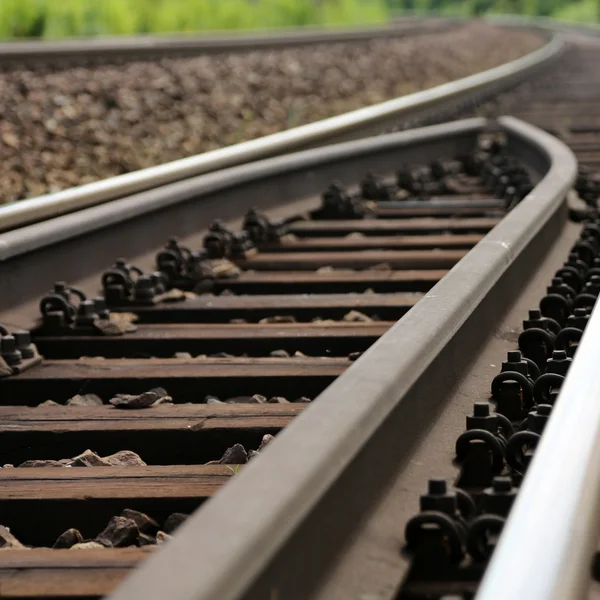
(155, 47)
(282, 323)
(298, 301)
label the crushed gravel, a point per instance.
(68, 126)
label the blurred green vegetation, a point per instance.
(574, 10)
(68, 18)
(54, 19)
(584, 10)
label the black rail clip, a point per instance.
(336, 203)
(480, 449)
(66, 311)
(261, 230)
(221, 242)
(127, 285)
(438, 533)
(512, 388)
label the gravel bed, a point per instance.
(131, 528)
(235, 455)
(68, 126)
(160, 397)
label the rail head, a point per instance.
(351, 125)
(234, 540)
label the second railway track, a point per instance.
(283, 323)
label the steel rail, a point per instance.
(30, 257)
(52, 231)
(546, 548)
(167, 45)
(272, 523)
(410, 110)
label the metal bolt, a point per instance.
(86, 314)
(145, 282)
(60, 288)
(87, 308)
(514, 362)
(513, 356)
(10, 353)
(481, 409)
(502, 484)
(438, 498)
(437, 487)
(100, 307)
(534, 315)
(498, 499)
(159, 281)
(482, 419)
(559, 355)
(544, 409)
(23, 341)
(54, 321)
(145, 288)
(537, 418)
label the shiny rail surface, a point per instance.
(143, 47)
(411, 110)
(255, 544)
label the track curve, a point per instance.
(462, 240)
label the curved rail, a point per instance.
(147, 46)
(409, 110)
(275, 509)
(31, 256)
(27, 239)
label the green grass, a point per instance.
(570, 10)
(55, 19)
(69, 18)
(584, 10)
